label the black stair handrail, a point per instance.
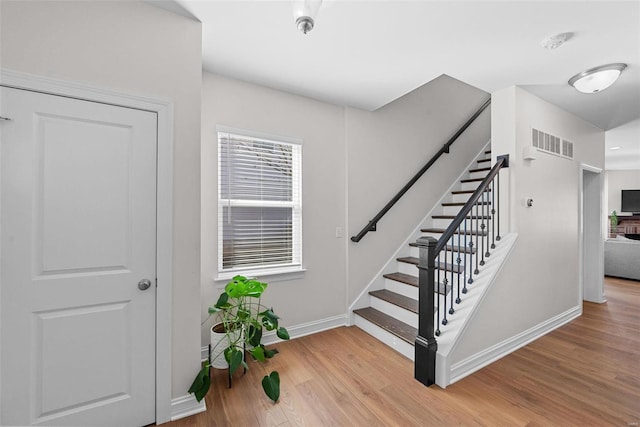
(501, 162)
(426, 345)
(371, 226)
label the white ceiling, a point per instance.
(368, 53)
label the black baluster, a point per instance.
(444, 284)
(498, 207)
(453, 291)
(476, 271)
(493, 213)
(482, 227)
(487, 254)
(467, 256)
(471, 253)
(458, 261)
(437, 299)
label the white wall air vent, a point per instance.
(551, 144)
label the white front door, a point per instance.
(78, 234)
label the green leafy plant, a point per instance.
(241, 310)
(614, 219)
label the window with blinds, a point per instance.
(259, 203)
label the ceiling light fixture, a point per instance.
(304, 12)
(615, 148)
(597, 79)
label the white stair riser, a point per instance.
(462, 198)
(470, 185)
(401, 288)
(478, 174)
(401, 346)
(406, 316)
(406, 268)
(444, 223)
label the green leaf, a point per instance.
(201, 383)
(235, 358)
(282, 333)
(243, 313)
(222, 301)
(271, 386)
(240, 286)
(269, 353)
(258, 353)
(269, 314)
(213, 310)
(255, 335)
(269, 324)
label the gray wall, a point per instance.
(541, 278)
(136, 48)
(385, 148)
(319, 293)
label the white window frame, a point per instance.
(275, 272)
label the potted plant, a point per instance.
(243, 319)
(614, 220)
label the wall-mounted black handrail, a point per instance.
(371, 226)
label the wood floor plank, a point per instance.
(582, 374)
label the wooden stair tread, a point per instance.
(402, 278)
(453, 217)
(452, 248)
(442, 230)
(487, 169)
(472, 180)
(487, 152)
(400, 329)
(466, 191)
(441, 266)
(484, 160)
(464, 203)
(396, 299)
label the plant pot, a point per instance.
(220, 340)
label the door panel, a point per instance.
(78, 219)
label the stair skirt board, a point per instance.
(471, 364)
(398, 344)
(362, 300)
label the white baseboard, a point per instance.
(296, 331)
(185, 406)
(480, 360)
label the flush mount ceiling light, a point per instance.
(304, 12)
(597, 79)
(615, 148)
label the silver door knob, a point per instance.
(144, 284)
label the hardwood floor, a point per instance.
(586, 373)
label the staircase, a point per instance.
(392, 315)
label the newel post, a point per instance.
(426, 346)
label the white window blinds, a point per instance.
(259, 206)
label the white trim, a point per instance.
(296, 331)
(479, 360)
(164, 201)
(269, 137)
(603, 234)
(186, 406)
(275, 274)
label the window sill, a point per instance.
(267, 275)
